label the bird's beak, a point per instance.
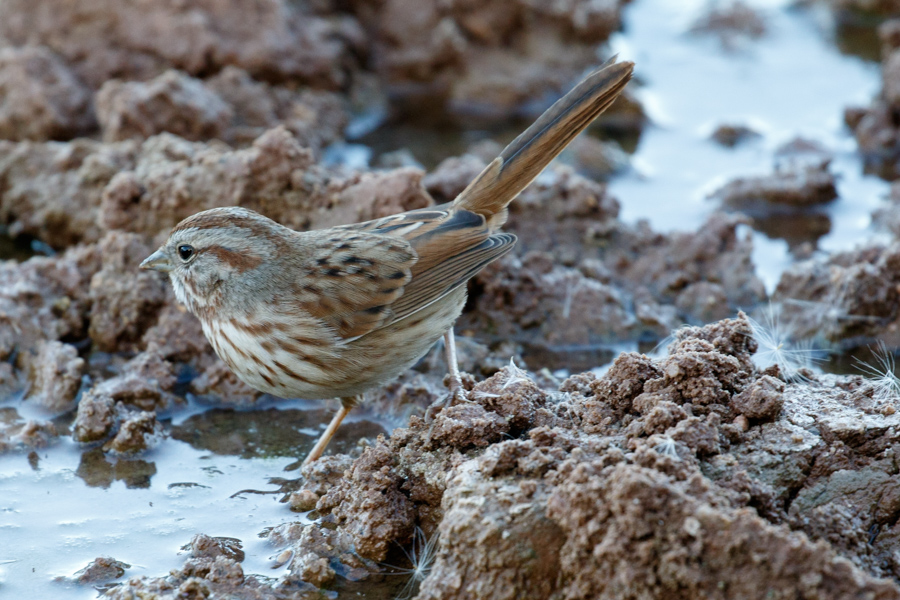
(158, 261)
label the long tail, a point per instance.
(527, 155)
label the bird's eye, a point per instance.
(185, 252)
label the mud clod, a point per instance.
(369, 504)
(56, 376)
(760, 401)
(607, 515)
(95, 419)
(137, 433)
(101, 570)
(173, 102)
(103, 40)
(124, 299)
(796, 186)
(204, 546)
(303, 500)
(42, 98)
(33, 434)
(522, 547)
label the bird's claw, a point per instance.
(457, 394)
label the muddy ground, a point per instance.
(699, 472)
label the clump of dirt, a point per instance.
(107, 39)
(315, 117)
(461, 51)
(52, 191)
(731, 135)
(45, 299)
(102, 569)
(42, 98)
(843, 296)
(150, 187)
(173, 102)
(733, 23)
(491, 59)
(787, 203)
(56, 371)
(214, 567)
(801, 179)
(231, 106)
(630, 282)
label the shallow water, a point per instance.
(61, 507)
(57, 517)
(794, 81)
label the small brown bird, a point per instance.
(335, 312)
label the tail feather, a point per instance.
(527, 155)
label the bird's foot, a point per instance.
(458, 391)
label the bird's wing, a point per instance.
(351, 279)
(451, 246)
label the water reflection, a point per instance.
(851, 361)
(430, 134)
(794, 227)
(268, 433)
(856, 34)
(97, 469)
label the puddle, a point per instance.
(430, 139)
(267, 433)
(63, 506)
(59, 516)
(856, 34)
(793, 81)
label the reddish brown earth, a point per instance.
(692, 475)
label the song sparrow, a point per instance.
(335, 312)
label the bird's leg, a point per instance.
(456, 384)
(347, 405)
(457, 391)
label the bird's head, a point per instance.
(217, 250)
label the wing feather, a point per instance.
(368, 275)
(435, 283)
(352, 279)
(527, 155)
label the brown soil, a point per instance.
(692, 475)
